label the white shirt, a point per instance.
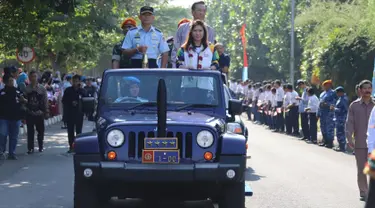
(239, 89)
(233, 86)
(268, 95)
(250, 93)
(293, 99)
(287, 99)
(371, 132)
(273, 100)
(313, 104)
(256, 93)
(261, 97)
(279, 94)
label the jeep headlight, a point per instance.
(234, 128)
(115, 138)
(205, 139)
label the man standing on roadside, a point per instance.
(356, 126)
(198, 10)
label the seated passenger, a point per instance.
(196, 52)
(132, 84)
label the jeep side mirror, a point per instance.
(235, 107)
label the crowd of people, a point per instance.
(28, 98)
(284, 109)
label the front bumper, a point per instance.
(130, 172)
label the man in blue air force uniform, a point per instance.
(341, 112)
(146, 39)
(326, 113)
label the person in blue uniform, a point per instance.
(120, 60)
(341, 111)
(146, 39)
(326, 113)
(132, 95)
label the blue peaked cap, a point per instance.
(132, 80)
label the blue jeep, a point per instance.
(161, 134)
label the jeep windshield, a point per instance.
(133, 90)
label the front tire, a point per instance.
(233, 196)
(87, 195)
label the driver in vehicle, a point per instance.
(132, 95)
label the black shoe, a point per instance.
(70, 151)
(12, 157)
(41, 150)
(363, 198)
(31, 151)
(329, 146)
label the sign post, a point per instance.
(26, 55)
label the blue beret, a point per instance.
(339, 88)
(132, 80)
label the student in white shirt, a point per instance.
(249, 99)
(293, 110)
(286, 103)
(255, 102)
(267, 102)
(312, 109)
(273, 107)
(279, 100)
(261, 98)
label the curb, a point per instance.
(48, 122)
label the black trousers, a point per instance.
(74, 128)
(280, 118)
(313, 128)
(370, 203)
(137, 63)
(35, 122)
(293, 119)
(305, 125)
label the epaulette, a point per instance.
(158, 30)
(133, 28)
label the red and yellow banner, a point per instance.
(244, 43)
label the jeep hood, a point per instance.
(178, 117)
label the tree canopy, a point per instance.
(73, 35)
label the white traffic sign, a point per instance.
(26, 55)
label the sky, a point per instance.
(184, 3)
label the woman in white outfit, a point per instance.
(197, 54)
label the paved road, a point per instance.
(287, 173)
(283, 173)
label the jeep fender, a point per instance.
(87, 143)
(233, 144)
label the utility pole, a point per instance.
(292, 44)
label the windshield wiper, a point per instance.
(142, 104)
(195, 105)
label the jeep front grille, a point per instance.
(136, 143)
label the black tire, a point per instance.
(233, 196)
(86, 195)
